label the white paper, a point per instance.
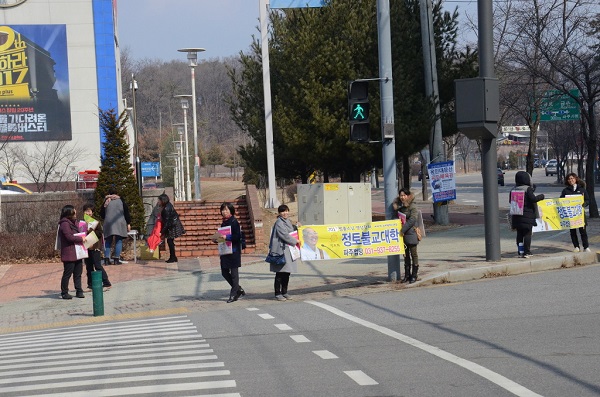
(90, 239)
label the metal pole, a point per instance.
(137, 165)
(488, 146)
(197, 193)
(187, 158)
(390, 178)
(273, 202)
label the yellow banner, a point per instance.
(560, 213)
(354, 240)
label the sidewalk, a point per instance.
(30, 294)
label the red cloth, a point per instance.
(154, 239)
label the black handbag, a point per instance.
(274, 259)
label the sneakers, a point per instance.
(66, 296)
(287, 296)
(527, 256)
(587, 250)
(280, 298)
(576, 249)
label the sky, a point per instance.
(155, 29)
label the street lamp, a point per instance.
(185, 105)
(133, 86)
(192, 56)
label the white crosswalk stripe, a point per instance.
(151, 357)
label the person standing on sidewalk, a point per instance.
(576, 186)
(231, 263)
(408, 214)
(117, 223)
(171, 225)
(280, 239)
(67, 238)
(94, 259)
(525, 223)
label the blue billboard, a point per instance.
(296, 3)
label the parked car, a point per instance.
(13, 187)
(551, 167)
(500, 177)
(421, 175)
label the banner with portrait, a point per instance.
(34, 83)
(353, 240)
(560, 214)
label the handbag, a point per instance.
(418, 232)
(274, 259)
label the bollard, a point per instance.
(97, 294)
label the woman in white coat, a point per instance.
(280, 239)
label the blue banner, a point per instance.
(150, 169)
(296, 3)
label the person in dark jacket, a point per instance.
(171, 225)
(94, 259)
(117, 223)
(525, 223)
(576, 186)
(67, 230)
(407, 212)
(230, 263)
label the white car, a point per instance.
(551, 167)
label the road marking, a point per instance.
(477, 369)
(361, 378)
(325, 354)
(283, 327)
(300, 338)
(266, 316)
(252, 309)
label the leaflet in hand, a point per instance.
(91, 222)
(90, 240)
(225, 248)
(294, 249)
(402, 217)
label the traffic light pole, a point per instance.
(390, 176)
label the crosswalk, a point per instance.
(150, 357)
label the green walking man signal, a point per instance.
(358, 111)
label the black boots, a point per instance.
(406, 278)
(171, 259)
(106, 261)
(413, 277)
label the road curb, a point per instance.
(509, 269)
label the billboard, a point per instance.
(34, 83)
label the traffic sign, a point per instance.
(150, 169)
(558, 106)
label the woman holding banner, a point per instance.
(525, 223)
(408, 215)
(576, 187)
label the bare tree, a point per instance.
(49, 161)
(464, 145)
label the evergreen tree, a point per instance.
(116, 170)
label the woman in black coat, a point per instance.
(525, 223)
(171, 225)
(230, 263)
(576, 186)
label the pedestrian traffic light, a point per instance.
(358, 111)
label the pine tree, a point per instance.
(116, 170)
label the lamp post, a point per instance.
(185, 105)
(192, 56)
(133, 86)
(180, 183)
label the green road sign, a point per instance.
(558, 106)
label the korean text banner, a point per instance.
(560, 213)
(34, 83)
(441, 178)
(353, 240)
(296, 3)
